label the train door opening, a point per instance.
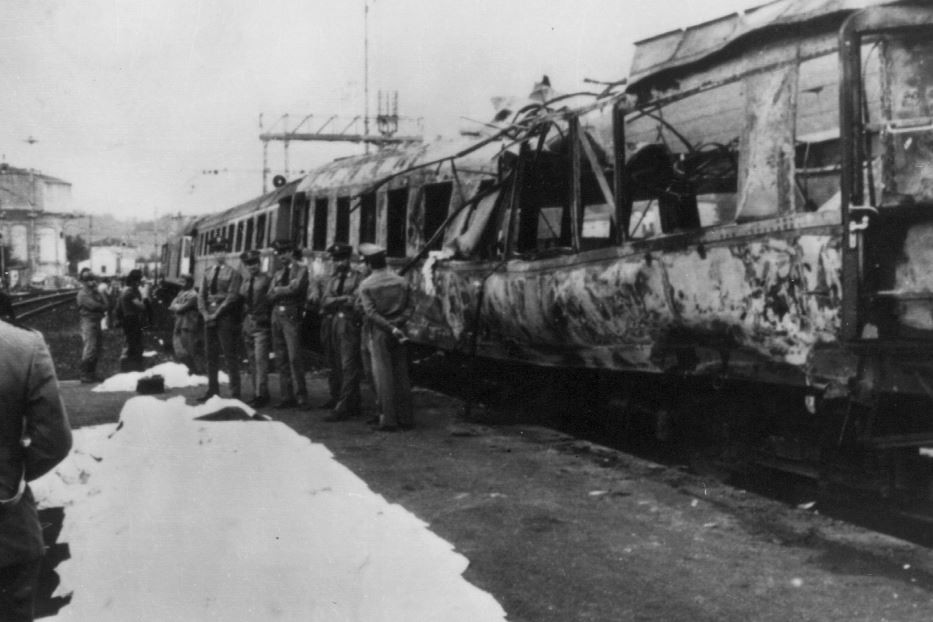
(342, 228)
(396, 222)
(261, 231)
(249, 235)
(300, 214)
(887, 189)
(368, 218)
(283, 221)
(436, 208)
(319, 233)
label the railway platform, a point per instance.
(557, 529)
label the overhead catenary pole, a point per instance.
(366, 71)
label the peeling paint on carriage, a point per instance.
(764, 306)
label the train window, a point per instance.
(597, 226)
(319, 234)
(342, 230)
(229, 236)
(261, 231)
(248, 239)
(396, 222)
(239, 237)
(300, 209)
(683, 158)
(436, 208)
(543, 224)
(646, 220)
(818, 157)
(368, 217)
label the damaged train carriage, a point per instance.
(752, 213)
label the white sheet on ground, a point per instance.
(175, 374)
(172, 518)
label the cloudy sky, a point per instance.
(132, 100)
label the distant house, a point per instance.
(112, 258)
(33, 210)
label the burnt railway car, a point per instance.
(751, 213)
(757, 212)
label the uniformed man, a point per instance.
(338, 304)
(187, 319)
(257, 326)
(34, 437)
(132, 310)
(92, 307)
(384, 297)
(219, 304)
(287, 296)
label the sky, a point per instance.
(137, 102)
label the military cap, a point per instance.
(250, 258)
(339, 250)
(219, 244)
(283, 245)
(368, 250)
(186, 279)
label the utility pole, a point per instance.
(366, 70)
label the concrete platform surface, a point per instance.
(559, 530)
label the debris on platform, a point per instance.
(170, 517)
(175, 374)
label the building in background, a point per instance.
(33, 211)
(111, 258)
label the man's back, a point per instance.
(34, 435)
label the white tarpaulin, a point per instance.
(172, 518)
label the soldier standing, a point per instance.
(92, 307)
(257, 329)
(187, 317)
(132, 310)
(384, 297)
(34, 437)
(338, 302)
(218, 302)
(287, 296)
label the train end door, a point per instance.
(886, 120)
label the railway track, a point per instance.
(529, 396)
(32, 304)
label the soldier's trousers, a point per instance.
(257, 336)
(184, 344)
(18, 586)
(223, 335)
(132, 358)
(330, 355)
(390, 372)
(92, 341)
(286, 339)
(347, 366)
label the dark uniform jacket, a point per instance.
(223, 298)
(131, 303)
(384, 297)
(295, 288)
(30, 408)
(185, 308)
(91, 303)
(332, 300)
(255, 298)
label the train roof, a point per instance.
(248, 207)
(679, 49)
(385, 163)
